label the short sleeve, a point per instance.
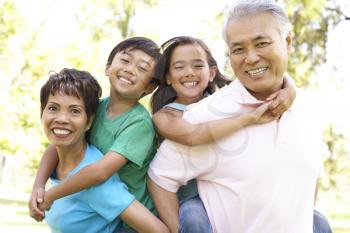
(174, 165)
(135, 141)
(110, 198)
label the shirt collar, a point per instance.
(243, 96)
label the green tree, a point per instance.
(311, 20)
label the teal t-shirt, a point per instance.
(131, 135)
(91, 210)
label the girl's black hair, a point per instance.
(165, 94)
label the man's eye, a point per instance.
(262, 44)
(237, 51)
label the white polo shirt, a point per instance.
(260, 179)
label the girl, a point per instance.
(187, 72)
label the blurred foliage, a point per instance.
(311, 22)
(337, 160)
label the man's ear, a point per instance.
(107, 70)
(213, 71)
(289, 40)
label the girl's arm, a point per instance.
(283, 99)
(47, 165)
(91, 175)
(173, 127)
(167, 205)
(142, 220)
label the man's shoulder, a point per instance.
(225, 102)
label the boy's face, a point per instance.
(130, 73)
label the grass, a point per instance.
(14, 217)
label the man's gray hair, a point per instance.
(244, 8)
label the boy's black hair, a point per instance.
(165, 94)
(73, 82)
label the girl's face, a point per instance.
(189, 73)
(65, 121)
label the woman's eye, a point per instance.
(75, 111)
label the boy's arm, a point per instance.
(91, 175)
(284, 98)
(177, 129)
(167, 205)
(47, 165)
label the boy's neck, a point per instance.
(118, 105)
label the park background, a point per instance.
(39, 36)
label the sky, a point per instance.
(196, 18)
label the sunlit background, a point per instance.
(38, 36)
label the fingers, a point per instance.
(278, 111)
(272, 96)
(40, 195)
(34, 210)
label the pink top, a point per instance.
(260, 179)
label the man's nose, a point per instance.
(252, 56)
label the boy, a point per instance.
(122, 130)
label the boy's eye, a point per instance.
(142, 69)
(124, 60)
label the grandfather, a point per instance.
(261, 179)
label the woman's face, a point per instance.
(64, 120)
(189, 73)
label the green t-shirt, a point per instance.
(131, 135)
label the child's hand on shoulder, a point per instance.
(262, 114)
(280, 102)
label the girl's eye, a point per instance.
(198, 66)
(51, 108)
(178, 67)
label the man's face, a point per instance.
(258, 53)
